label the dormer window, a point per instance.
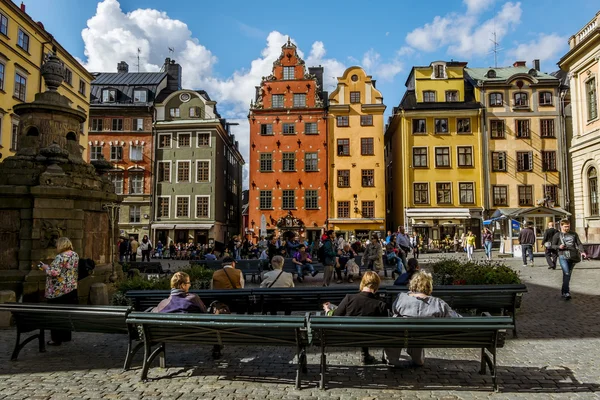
(491, 73)
(109, 95)
(451, 95)
(140, 96)
(195, 112)
(521, 99)
(429, 96)
(288, 73)
(439, 71)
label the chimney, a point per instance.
(122, 67)
(173, 71)
(22, 7)
(520, 64)
(536, 65)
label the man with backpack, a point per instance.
(570, 252)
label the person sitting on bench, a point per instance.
(227, 277)
(419, 303)
(411, 268)
(180, 301)
(303, 262)
(277, 278)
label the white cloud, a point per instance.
(380, 70)
(333, 67)
(477, 6)
(544, 47)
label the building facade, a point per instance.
(357, 173)
(433, 151)
(288, 150)
(121, 127)
(24, 46)
(582, 63)
(198, 168)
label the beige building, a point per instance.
(582, 62)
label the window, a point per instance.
(136, 153)
(184, 139)
(265, 199)
(68, 76)
(463, 125)
(266, 162)
(444, 193)
(499, 161)
(593, 190)
(497, 129)
(289, 162)
(525, 195)
(500, 194)
(441, 125)
(135, 214)
(174, 112)
(195, 112)
(421, 193)
(420, 157)
(117, 180)
(20, 87)
(310, 128)
(551, 193)
(299, 100)
(3, 25)
(140, 96)
(343, 147)
(368, 177)
(183, 207)
(354, 97)
(496, 100)
(591, 99)
(117, 124)
(343, 121)
(1, 72)
(138, 124)
(164, 171)
(288, 199)
(548, 161)
(266, 129)
(311, 199)
(164, 140)
(442, 157)
(14, 136)
(277, 100)
(429, 96)
(311, 162)
(162, 209)
(466, 193)
(23, 40)
(343, 176)
(203, 139)
(95, 152)
(419, 125)
(202, 209)
(203, 171)
(109, 95)
(288, 73)
(183, 171)
(343, 209)
(289, 129)
(97, 124)
(136, 182)
(367, 147)
(547, 128)
(116, 153)
(439, 71)
(81, 87)
(368, 209)
(366, 120)
(545, 98)
(451, 95)
(521, 99)
(522, 128)
(524, 161)
(465, 156)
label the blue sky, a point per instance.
(226, 46)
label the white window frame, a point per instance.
(451, 193)
(184, 133)
(111, 152)
(131, 148)
(121, 174)
(131, 208)
(26, 48)
(198, 139)
(458, 156)
(170, 171)
(189, 197)
(130, 174)
(168, 209)
(473, 192)
(170, 141)
(142, 91)
(92, 147)
(22, 75)
(176, 112)
(295, 105)
(177, 171)
(209, 170)
(134, 125)
(449, 156)
(196, 206)
(108, 91)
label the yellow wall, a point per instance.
(15, 58)
(424, 82)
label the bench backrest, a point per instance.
(298, 299)
(238, 300)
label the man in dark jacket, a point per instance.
(551, 254)
(330, 258)
(124, 250)
(567, 244)
(527, 240)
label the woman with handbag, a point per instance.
(146, 246)
(570, 252)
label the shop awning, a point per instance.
(438, 213)
(194, 226)
(530, 212)
(163, 226)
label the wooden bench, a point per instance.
(287, 300)
(501, 299)
(228, 330)
(252, 268)
(486, 333)
(31, 317)
(238, 300)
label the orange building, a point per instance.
(288, 150)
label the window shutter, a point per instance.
(530, 157)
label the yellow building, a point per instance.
(357, 183)
(24, 43)
(434, 162)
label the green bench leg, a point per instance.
(149, 356)
(19, 346)
(323, 366)
(131, 353)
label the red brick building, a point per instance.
(288, 149)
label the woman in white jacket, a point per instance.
(146, 247)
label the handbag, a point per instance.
(572, 255)
(352, 267)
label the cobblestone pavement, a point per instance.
(557, 355)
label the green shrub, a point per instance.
(455, 272)
(141, 283)
(119, 299)
(198, 273)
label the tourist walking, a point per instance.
(550, 253)
(570, 252)
(133, 245)
(124, 249)
(527, 240)
(415, 242)
(227, 277)
(330, 257)
(146, 246)
(470, 241)
(487, 238)
(404, 244)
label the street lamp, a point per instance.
(113, 212)
(356, 204)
